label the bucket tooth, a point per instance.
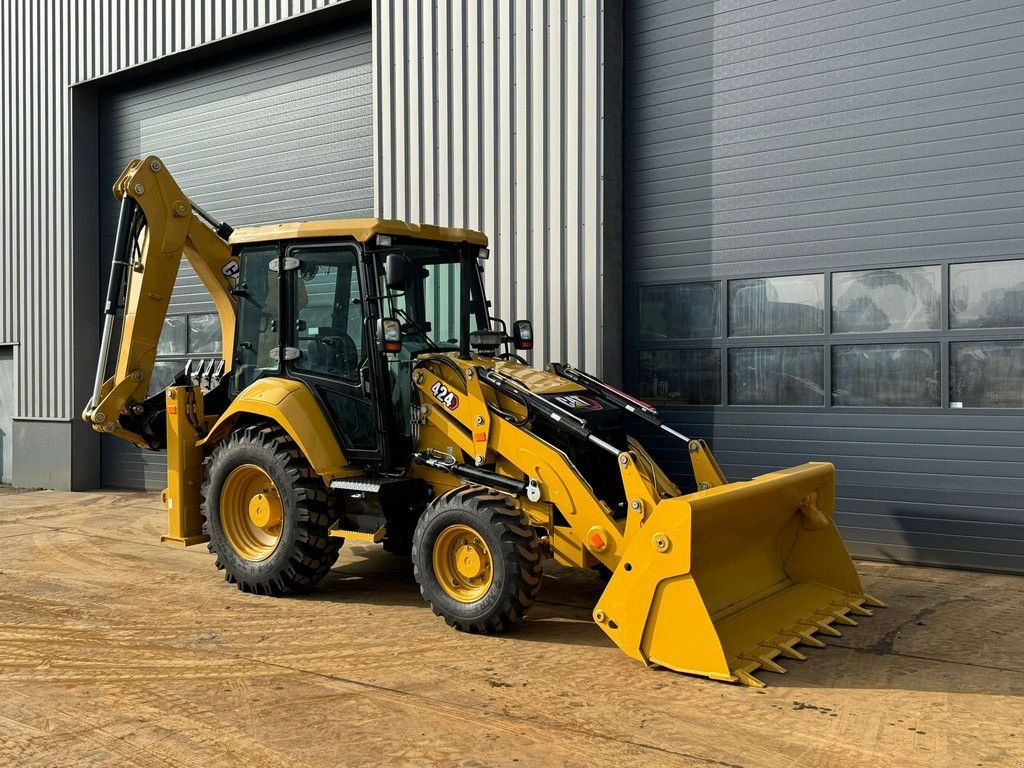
(808, 639)
(747, 679)
(786, 650)
(873, 601)
(855, 608)
(827, 629)
(842, 618)
(767, 662)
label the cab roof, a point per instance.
(359, 229)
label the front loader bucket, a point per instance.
(723, 581)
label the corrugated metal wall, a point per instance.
(44, 48)
(791, 137)
(490, 116)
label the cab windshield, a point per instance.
(430, 310)
(430, 306)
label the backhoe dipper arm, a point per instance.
(156, 225)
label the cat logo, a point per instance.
(579, 402)
(445, 396)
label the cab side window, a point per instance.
(329, 312)
(258, 331)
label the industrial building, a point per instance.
(795, 227)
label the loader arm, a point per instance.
(157, 224)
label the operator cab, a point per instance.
(311, 298)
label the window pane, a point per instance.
(777, 376)
(886, 374)
(204, 334)
(987, 374)
(164, 372)
(330, 315)
(256, 334)
(683, 311)
(172, 337)
(681, 376)
(886, 300)
(777, 306)
(986, 295)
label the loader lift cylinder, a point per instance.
(621, 399)
(118, 268)
(558, 416)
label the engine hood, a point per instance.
(540, 382)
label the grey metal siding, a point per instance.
(490, 116)
(6, 411)
(788, 137)
(281, 134)
(44, 48)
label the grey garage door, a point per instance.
(824, 247)
(279, 134)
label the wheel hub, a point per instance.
(462, 563)
(468, 561)
(251, 512)
(265, 510)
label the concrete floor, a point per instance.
(118, 651)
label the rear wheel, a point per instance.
(267, 513)
(477, 560)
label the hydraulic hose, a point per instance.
(118, 268)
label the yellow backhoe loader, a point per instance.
(365, 393)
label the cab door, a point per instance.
(331, 349)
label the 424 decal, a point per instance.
(449, 399)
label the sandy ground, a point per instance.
(116, 650)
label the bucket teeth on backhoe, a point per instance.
(765, 655)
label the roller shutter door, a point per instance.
(283, 132)
(870, 154)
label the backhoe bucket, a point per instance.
(723, 581)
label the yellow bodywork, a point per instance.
(191, 434)
(171, 231)
(358, 229)
(720, 582)
(292, 406)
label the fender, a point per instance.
(291, 405)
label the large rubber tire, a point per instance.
(514, 552)
(304, 553)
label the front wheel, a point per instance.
(267, 513)
(477, 560)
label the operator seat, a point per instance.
(334, 352)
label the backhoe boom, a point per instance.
(157, 225)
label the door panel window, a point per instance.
(258, 333)
(329, 313)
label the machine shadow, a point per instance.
(560, 615)
(913, 644)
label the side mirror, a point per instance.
(389, 335)
(522, 334)
(394, 271)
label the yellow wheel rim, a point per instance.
(251, 512)
(462, 563)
